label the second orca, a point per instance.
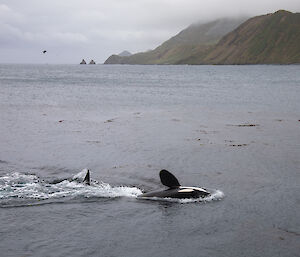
(82, 177)
(175, 190)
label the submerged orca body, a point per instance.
(175, 190)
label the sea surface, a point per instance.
(234, 130)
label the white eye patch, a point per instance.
(191, 189)
(186, 190)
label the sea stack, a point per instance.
(83, 61)
(92, 62)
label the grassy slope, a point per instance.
(272, 38)
(193, 40)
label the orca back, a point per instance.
(175, 190)
(168, 179)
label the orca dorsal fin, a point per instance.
(168, 179)
(87, 179)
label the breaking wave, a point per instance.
(18, 189)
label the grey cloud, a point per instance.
(75, 29)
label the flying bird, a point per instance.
(45, 51)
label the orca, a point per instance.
(175, 190)
(87, 179)
(82, 177)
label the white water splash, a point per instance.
(80, 175)
(17, 186)
(30, 187)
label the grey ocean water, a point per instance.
(232, 129)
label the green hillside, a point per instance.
(267, 39)
(272, 38)
(195, 39)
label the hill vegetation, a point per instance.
(272, 38)
(195, 39)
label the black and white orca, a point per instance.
(175, 190)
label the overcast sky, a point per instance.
(94, 29)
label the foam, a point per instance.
(30, 187)
(18, 187)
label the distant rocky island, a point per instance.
(84, 62)
(267, 39)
